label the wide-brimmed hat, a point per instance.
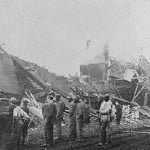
(25, 100)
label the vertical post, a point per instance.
(145, 99)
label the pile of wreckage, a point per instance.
(20, 78)
(128, 82)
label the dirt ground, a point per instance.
(129, 137)
(119, 141)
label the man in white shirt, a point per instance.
(18, 121)
(19, 113)
(105, 112)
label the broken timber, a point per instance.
(124, 101)
(40, 83)
(138, 93)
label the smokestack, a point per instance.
(106, 52)
(106, 58)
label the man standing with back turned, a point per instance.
(60, 106)
(72, 119)
(49, 114)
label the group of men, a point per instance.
(53, 112)
(79, 115)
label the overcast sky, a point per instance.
(54, 33)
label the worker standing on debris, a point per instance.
(18, 121)
(118, 113)
(24, 106)
(60, 106)
(72, 118)
(49, 114)
(105, 111)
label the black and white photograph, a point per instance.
(74, 74)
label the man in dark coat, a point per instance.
(49, 113)
(80, 118)
(72, 119)
(118, 113)
(60, 106)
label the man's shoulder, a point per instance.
(81, 104)
(87, 106)
(17, 108)
(52, 104)
(11, 107)
(61, 103)
(108, 104)
(103, 103)
(73, 105)
(45, 106)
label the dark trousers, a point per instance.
(25, 130)
(14, 142)
(72, 128)
(58, 128)
(49, 131)
(118, 119)
(104, 125)
(79, 129)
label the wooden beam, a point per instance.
(135, 91)
(32, 77)
(124, 101)
(138, 93)
(145, 99)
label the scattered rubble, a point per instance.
(127, 82)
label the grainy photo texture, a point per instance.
(74, 74)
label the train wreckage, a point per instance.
(128, 82)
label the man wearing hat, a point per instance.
(105, 112)
(51, 93)
(60, 106)
(25, 108)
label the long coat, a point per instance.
(72, 120)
